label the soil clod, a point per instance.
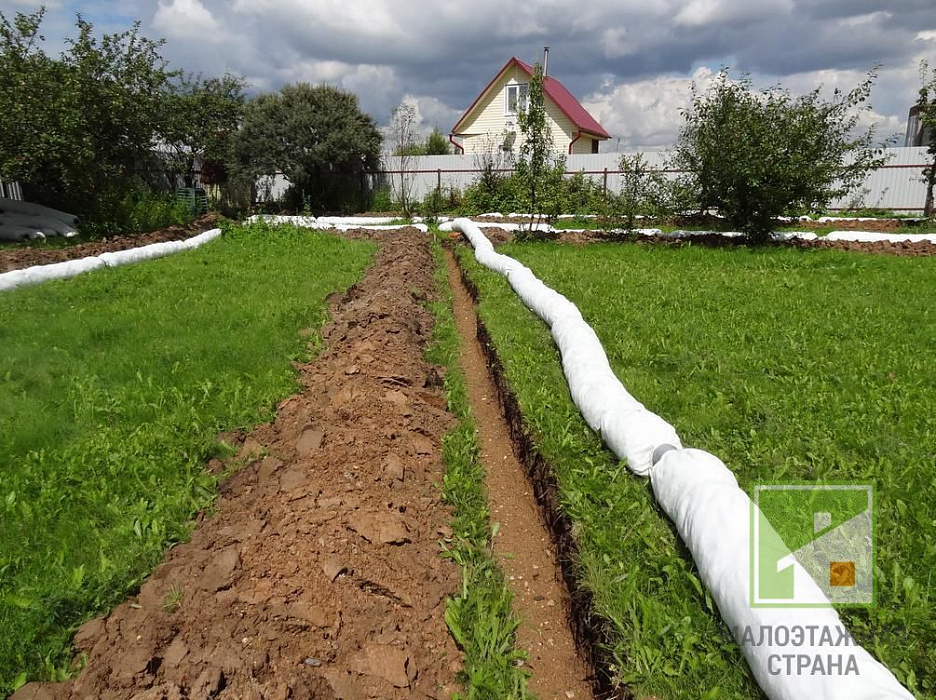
(313, 579)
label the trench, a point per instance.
(524, 544)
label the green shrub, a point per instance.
(756, 155)
(581, 195)
(134, 208)
(382, 199)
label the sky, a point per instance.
(630, 62)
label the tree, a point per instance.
(537, 167)
(926, 104)
(201, 114)
(756, 155)
(316, 136)
(405, 146)
(78, 126)
(436, 144)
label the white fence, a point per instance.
(897, 186)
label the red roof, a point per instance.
(557, 92)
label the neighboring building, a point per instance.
(916, 134)
(491, 120)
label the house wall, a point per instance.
(486, 130)
(582, 147)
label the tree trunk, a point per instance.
(930, 185)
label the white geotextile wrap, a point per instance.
(546, 228)
(72, 268)
(630, 430)
(337, 223)
(701, 496)
(871, 237)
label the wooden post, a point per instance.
(604, 184)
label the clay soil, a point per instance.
(523, 545)
(906, 249)
(39, 253)
(319, 575)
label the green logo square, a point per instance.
(810, 540)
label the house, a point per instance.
(916, 135)
(491, 120)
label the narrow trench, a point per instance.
(523, 545)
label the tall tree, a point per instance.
(538, 168)
(74, 125)
(201, 114)
(926, 104)
(316, 136)
(403, 139)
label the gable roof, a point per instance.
(555, 91)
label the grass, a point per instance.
(789, 365)
(115, 385)
(481, 617)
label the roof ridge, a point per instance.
(557, 92)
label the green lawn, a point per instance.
(793, 365)
(115, 385)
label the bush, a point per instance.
(382, 199)
(135, 208)
(756, 155)
(581, 195)
(645, 192)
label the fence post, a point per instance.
(439, 180)
(604, 184)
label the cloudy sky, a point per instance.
(630, 62)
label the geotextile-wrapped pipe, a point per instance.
(71, 268)
(711, 512)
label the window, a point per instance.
(517, 96)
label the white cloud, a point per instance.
(443, 54)
(186, 19)
(646, 113)
(21, 5)
(706, 12)
(614, 44)
(432, 113)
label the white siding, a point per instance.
(486, 129)
(583, 146)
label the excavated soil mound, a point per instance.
(906, 248)
(39, 253)
(320, 574)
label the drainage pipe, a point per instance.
(711, 512)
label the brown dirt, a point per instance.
(905, 249)
(320, 574)
(588, 630)
(523, 545)
(39, 253)
(881, 225)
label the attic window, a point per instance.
(517, 96)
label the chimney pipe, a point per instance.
(545, 61)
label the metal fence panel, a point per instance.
(897, 186)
